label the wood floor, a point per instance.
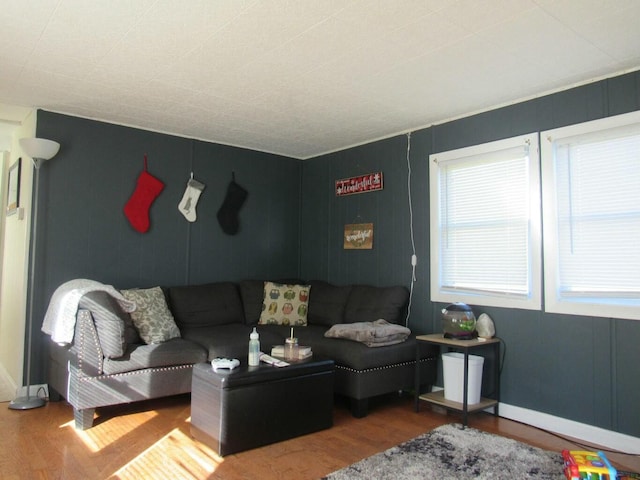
(152, 440)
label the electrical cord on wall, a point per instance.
(414, 259)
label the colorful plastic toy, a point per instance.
(584, 465)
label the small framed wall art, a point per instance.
(358, 236)
(13, 190)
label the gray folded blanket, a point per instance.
(373, 334)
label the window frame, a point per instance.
(554, 301)
(533, 301)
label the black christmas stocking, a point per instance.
(137, 207)
(228, 213)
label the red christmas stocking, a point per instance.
(137, 208)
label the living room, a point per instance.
(575, 372)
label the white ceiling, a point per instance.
(303, 77)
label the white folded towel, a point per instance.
(60, 318)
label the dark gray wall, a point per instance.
(83, 232)
(580, 368)
(575, 367)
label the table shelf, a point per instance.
(437, 398)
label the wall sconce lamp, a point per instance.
(40, 150)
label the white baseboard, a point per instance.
(570, 428)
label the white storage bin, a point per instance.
(453, 373)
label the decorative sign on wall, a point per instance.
(358, 236)
(370, 182)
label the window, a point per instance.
(485, 224)
(591, 198)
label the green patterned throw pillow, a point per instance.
(285, 304)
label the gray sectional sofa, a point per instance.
(108, 364)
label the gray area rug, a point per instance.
(451, 452)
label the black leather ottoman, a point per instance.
(248, 407)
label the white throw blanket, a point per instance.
(60, 319)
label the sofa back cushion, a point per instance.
(252, 293)
(367, 304)
(205, 305)
(327, 303)
(114, 326)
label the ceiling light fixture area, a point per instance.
(40, 150)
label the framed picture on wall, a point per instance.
(13, 192)
(358, 236)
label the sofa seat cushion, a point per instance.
(367, 304)
(176, 351)
(361, 357)
(204, 305)
(231, 341)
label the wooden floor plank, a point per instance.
(152, 440)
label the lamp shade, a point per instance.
(39, 148)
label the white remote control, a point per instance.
(226, 363)
(272, 361)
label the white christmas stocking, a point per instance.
(187, 205)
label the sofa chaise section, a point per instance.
(361, 372)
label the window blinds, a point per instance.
(484, 224)
(598, 214)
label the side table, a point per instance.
(437, 398)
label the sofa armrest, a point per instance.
(89, 355)
(113, 325)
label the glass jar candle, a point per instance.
(291, 348)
